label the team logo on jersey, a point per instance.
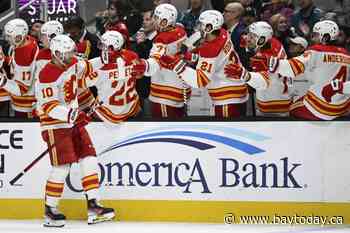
(196, 136)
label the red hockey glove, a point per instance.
(174, 63)
(78, 118)
(259, 63)
(237, 72)
(190, 57)
(140, 67)
(334, 87)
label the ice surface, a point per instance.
(35, 226)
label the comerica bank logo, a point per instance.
(230, 169)
(193, 136)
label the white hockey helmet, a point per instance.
(49, 30)
(262, 33)
(326, 30)
(63, 48)
(210, 20)
(111, 43)
(165, 15)
(16, 31)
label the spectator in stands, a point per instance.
(232, 15)
(122, 16)
(284, 7)
(35, 29)
(102, 17)
(281, 30)
(142, 45)
(249, 16)
(86, 41)
(255, 4)
(304, 20)
(189, 19)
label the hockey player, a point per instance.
(275, 100)
(63, 130)
(322, 62)
(114, 80)
(22, 62)
(168, 93)
(48, 31)
(228, 95)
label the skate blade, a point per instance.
(53, 223)
(93, 219)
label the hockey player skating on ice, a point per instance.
(113, 78)
(63, 129)
(322, 64)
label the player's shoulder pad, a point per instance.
(170, 36)
(213, 48)
(328, 48)
(44, 54)
(50, 73)
(129, 56)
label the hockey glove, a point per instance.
(191, 57)
(259, 63)
(174, 63)
(334, 87)
(237, 72)
(78, 118)
(139, 68)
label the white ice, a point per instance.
(35, 226)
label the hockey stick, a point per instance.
(42, 155)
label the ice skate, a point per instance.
(53, 217)
(97, 213)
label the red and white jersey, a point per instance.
(276, 98)
(85, 96)
(209, 73)
(21, 86)
(322, 64)
(166, 88)
(116, 88)
(57, 92)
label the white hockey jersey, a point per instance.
(116, 88)
(166, 88)
(20, 86)
(276, 98)
(323, 63)
(209, 72)
(85, 96)
(56, 93)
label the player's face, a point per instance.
(251, 40)
(315, 38)
(161, 24)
